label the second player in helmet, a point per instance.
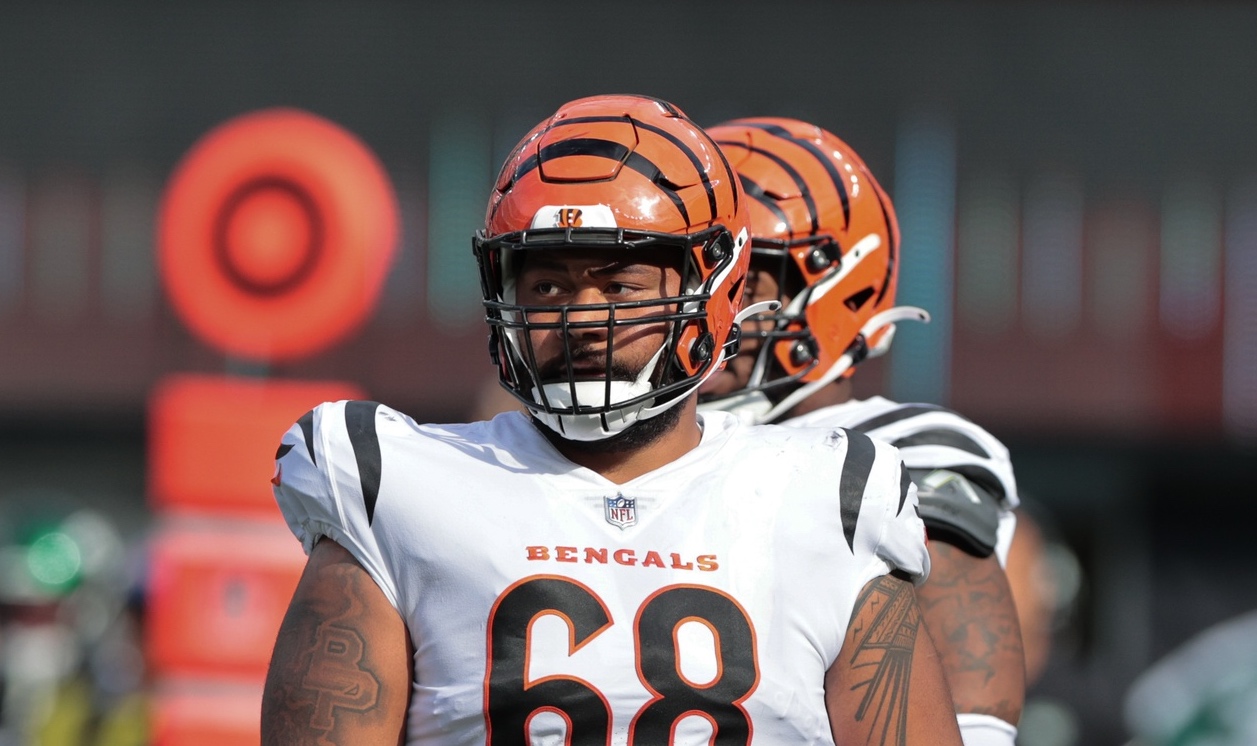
(825, 243)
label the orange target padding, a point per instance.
(216, 596)
(212, 440)
(206, 714)
(275, 235)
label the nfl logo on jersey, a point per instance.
(622, 511)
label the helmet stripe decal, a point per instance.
(702, 171)
(794, 175)
(728, 170)
(821, 158)
(680, 145)
(611, 150)
(693, 158)
(756, 192)
(892, 232)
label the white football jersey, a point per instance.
(931, 437)
(550, 605)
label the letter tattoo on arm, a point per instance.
(338, 680)
(341, 667)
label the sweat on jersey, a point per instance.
(710, 594)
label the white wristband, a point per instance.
(985, 730)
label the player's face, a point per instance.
(573, 278)
(761, 285)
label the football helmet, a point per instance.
(624, 173)
(825, 229)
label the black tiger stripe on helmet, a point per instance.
(828, 231)
(610, 173)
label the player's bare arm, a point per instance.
(968, 608)
(887, 685)
(340, 672)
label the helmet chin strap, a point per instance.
(747, 405)
(595, 394)
(840, 366)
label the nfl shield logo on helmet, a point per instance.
(621, 511)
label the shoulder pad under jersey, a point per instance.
(931, 438)
(957, 511)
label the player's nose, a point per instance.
(588, 312)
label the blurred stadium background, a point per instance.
(1076, 183)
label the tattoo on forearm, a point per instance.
(885, 626)
(968, 608)
(321, 668)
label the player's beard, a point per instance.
(636, 436)
(632, 438)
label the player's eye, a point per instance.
(545, 288)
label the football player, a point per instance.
(608, 567)
(825, 244)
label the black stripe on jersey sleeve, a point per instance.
(943, 437)
(855, 477)
(360, 425)
(905, 481)
(306, 422)
(895, 415)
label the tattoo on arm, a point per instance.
(322, 666)
(338, 679)
(968, 609)
(884, 625)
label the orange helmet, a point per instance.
(826, 229)
(618, 172)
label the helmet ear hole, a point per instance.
(803, 352)
(823, 256)
(856, 300)
(701, 350)
(716, 251)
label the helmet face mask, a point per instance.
(555, 387)
(572, 189)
